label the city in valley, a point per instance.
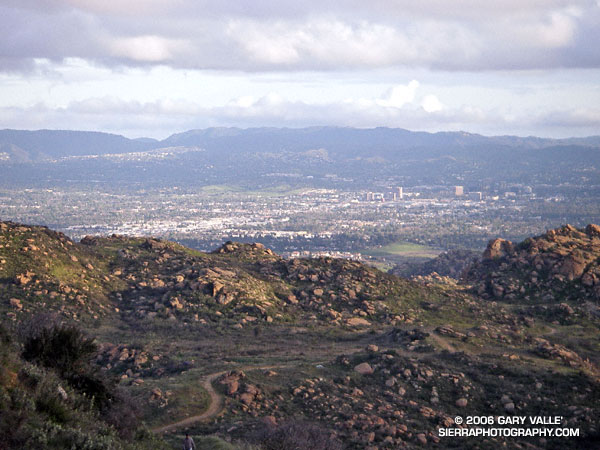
(303, 221)
(299, 225)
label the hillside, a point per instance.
(63, 401)
(244, 345)
(448, 264)
(144, 277)
(27, 146)
(357, 158)
(562, 264)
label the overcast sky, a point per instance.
(155, 67)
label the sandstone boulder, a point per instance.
(498, 248)
(364, 369)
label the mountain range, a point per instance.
(348, 142)
(317, 156)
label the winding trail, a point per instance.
(216, 400)
(214, 408)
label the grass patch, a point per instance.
(205, 442)
(186, 397)
(406, 249)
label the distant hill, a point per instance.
(358, 142)
(342, 142)
(316, 156)
(44, 144)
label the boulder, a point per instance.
(16, 303)
(461, 402)
(572, 267)
(364, 369)
(23, 278)
(358, 322)
(291, 299)
(216, 288)
(232, 387)
(498, 248)
(247, 398)
(592, 230)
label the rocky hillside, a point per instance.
(144, 279)
(42, 270)
(378, 399)
(562, 264)
(242, 345)
(448, 264)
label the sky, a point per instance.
(155, 67)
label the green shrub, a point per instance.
(68, 351)
(64, 348)
(212, 443)
(295, 435)
(16, 406)
(51, 405)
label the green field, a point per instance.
(272, 191)
(405, 249)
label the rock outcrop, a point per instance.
(562, 264)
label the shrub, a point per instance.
(61, 347)
(212, 443)
(50, 404)
(295, 436)
(66, 350)
(17, 407)
(122, 412)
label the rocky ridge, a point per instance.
(148, 279)
(562, 264)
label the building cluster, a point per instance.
(317, 221)
(398, 194)
(391, 195)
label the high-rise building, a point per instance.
(458, 191)
(400, 193)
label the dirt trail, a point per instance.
(216, 400)
(442, 342)
(214, 408)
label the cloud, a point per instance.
(146, 48)
(398, 96)
(327, 62)
(577, 117)
(431, 103)
(275, 35)
(421, 112)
